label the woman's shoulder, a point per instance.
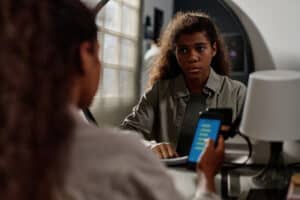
(107, 144)
(233, 84)
(107, 139)
(102, 157)
(170, 85)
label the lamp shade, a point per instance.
(272, 106)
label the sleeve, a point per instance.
(206, 196)
(241, 96)
(145, 176)
(116, 166)
(142, 117)
(201, 192)
(156, 184)
(150, 180)
(152, 184)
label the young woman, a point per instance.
(189, 76)
(49, 70)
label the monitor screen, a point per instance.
(236, 52)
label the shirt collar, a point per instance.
(180, 89)
(213, 84)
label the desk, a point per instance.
(185, 181)
(236, 184)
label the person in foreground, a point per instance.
(47, 151)
(189, 76)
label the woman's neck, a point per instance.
(75, 94)
(196, 85)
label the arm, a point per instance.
(147, 177)
(208, 166)
(142, 117)
(241, 97)
(142, 120)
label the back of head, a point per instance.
(166, 66)
(39, 56)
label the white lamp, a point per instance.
(272, 113)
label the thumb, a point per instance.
(221, 145)
(209, 143)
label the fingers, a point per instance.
(221, 145)
(225, 128)
(171, 152)
(156, 150)
(209, 146)
(212, 158)
(164, 150)
(210, 143)
(212, 151)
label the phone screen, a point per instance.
(206, 128)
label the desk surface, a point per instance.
(238, 182)
(185, 181)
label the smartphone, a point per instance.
(225, 112)
(208, 127)
(226, 127)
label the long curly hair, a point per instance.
(39, 56)
(166, 66)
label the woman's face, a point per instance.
(194, 54)
(97, 69)
(92, 70)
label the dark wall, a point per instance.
(213, 8)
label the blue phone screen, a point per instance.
(206, 128)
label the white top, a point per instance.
(110, 164)
(153, 51)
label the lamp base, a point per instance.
(275, 174)
(272, 178)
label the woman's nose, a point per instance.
(193, 55)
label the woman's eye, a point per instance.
(200, 48)
(182, 50)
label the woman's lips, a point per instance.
(194, 70)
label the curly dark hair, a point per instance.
(166, 66)
(39, 55)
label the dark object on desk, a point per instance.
(226, 114)
(275, 174)
(267, 194)
(228, 129)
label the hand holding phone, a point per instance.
(164, 150)
(227, 129)
(208, 127)
(212, 158)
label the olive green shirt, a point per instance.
(160, 112)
